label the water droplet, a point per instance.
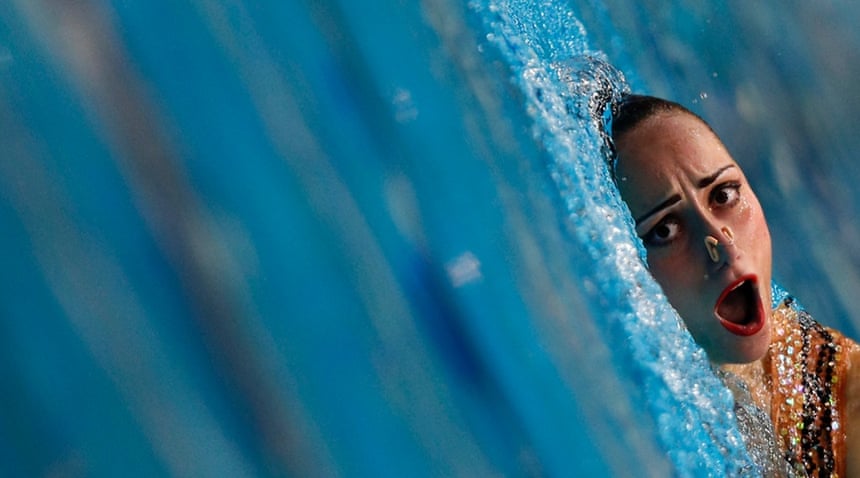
(404, 107)
(464, 269)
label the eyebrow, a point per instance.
(708, 180)
(668, 202)
(702, 183)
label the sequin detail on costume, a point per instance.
(806, 367)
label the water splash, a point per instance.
(426, 281)
(566, 86)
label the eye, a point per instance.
(663, 233)
(726, 195)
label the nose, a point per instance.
(717, 243)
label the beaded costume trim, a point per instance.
(807, 370)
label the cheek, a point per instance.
(753, 225)
(674, 272)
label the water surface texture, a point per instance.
(333, 238)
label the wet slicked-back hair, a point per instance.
(633, 109)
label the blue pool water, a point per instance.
(332, 238)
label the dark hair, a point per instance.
(633, 109)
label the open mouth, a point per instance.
(739, 307)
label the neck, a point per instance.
(757, 381)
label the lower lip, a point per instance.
(751, 328)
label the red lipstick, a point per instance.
(739, 308)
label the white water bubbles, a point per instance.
(569, 91)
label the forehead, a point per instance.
(663, 151)
(669, 139)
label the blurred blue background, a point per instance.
(332, 238)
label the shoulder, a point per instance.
(849, 378)
(851, 409)
(833, 360)
(846, 381)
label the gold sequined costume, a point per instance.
(802, 381)
(805, 369)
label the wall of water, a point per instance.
(343, 239)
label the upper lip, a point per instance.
(739, 281)
(722, 265)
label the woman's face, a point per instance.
(705, 233)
